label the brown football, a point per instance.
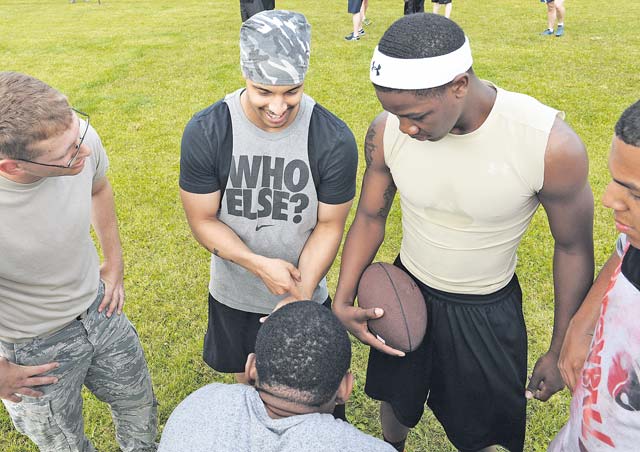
(404, 322)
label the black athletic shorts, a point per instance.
(231, 336)
(354, 6)
(470, 369)
(441, 2)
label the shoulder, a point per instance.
(210, 393)
(327, 130)
(355, 440)
(210, 400)
(206, 132)
(379, 124)
(526, 110)
(374, 140)
(98, 156)
(215, 117)
(321, 117)
(566, 164)
(333, 155)
(348, 437)
(204, 392)
(92, 139)
(194, 424)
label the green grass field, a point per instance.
(142, 68)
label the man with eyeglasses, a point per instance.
(61, 320)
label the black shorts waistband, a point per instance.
(463, 298)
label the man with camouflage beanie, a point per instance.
(267, 177)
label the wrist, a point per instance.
(304, 292)
(554, 350)
(255, 263)
(582, 325)
(113, 259)
(343, 301)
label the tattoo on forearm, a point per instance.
(369, 146)
(217, 253)
(388, 200)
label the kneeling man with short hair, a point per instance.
(299, 372)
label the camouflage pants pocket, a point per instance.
(54, 421)
(36, 419)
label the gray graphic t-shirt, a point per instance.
(272, 184)
(269, 201)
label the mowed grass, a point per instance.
(142, 69)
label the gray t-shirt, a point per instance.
(270, 202)
(49, 266)
(271, 185)
(228, 418)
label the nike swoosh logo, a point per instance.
(263, 226)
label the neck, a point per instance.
(279, 407)
(477, 105)
(20, 178)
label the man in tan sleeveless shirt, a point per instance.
(471, 163)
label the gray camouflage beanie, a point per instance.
(275, 47)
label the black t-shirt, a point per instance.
(207, 145)
(631, 266)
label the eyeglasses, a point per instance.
(77, 151)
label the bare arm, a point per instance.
(105, 223)
(279, 276)
(319, 251)
(365, 237)
(580, 331)
(568, 202)
(322, 246)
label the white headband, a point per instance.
(423, 73)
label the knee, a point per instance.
(136, 411)
(49, 430)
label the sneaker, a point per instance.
(350, 37)
(547, 32)
(560, 31)
(367, 22)
(361, 32)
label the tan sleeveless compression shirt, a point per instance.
(467, 199)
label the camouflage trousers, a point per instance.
(105, 355)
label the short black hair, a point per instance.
(302, 353)
(421, 35)
(628, 126)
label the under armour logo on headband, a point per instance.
(374, 68)
(419, 73)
